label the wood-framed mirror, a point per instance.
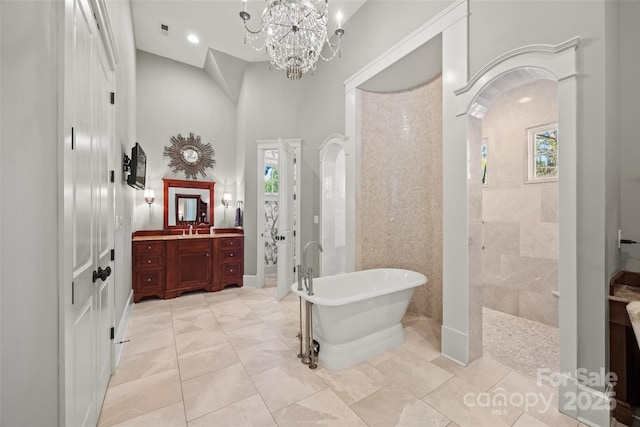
(188, 203)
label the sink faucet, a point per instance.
(305, 274)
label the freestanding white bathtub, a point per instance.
(358, 315)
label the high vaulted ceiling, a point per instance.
(216, 23)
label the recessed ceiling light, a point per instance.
(524, 99)
(193, 38)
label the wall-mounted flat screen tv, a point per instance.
(138, 168)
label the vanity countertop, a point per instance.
(183, 237)
(625, 287)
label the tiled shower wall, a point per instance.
(399, 207)
(520, 231)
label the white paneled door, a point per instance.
(88, 206)
(286, 238)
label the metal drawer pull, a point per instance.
(231, 253)
(149, 262)
(149, 247)
(149, 279)
(231, 270)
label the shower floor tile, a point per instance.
(521, 344)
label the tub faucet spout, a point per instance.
(307, 273)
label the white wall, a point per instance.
(268, 108)
(630, 131)
(174, 98)
(29, 224)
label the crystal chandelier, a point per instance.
(294, 33)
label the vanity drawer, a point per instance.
(145, 248)
(231, 242)
(194, 245)
(231, 270)
(149, 281)
(227, 255)
(149, 261)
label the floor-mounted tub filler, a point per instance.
(358, 315)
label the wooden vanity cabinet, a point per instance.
(148, 269)
(166, 266)
(189, 266)
(231, 262)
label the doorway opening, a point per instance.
(517, 172)
(278, 214)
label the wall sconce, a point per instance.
(226, 200)
(149, 196)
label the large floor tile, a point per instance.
(148, 342)
(466, 405)
(135, 398)
(251, 335)
(210, 359)
(231, 322)
(194, 322)
(199, 340)
(266, 355)
(321, 409)
(209, 392)
(144, 364)
(527, 420)
(394, 405)
(169, 416)
(148, 324)
(249, 412)
(428, 349)
(224, 296)
(482, 373)
(539, 400)
(415, 373)
(151, 307)
(353, 385)
(287, 384)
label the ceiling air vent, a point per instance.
(164, 29)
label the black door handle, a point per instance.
(101, 274)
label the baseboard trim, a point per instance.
(250, 280)
(599, 413)
(454, 345)
(121, 332)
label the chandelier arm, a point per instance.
(249, 31)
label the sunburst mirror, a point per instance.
(190, 155)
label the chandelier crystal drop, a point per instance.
(294, 34)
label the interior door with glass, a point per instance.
(285, 240)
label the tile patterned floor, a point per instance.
(521, 344)
(229, 359)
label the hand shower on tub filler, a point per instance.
(306, 274)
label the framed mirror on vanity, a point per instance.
(188, 203)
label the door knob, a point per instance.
(101, 274)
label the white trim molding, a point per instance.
(559, 61)
(452, 24)
(429, 30)
(121, 332)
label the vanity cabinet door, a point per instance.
(189, 266)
